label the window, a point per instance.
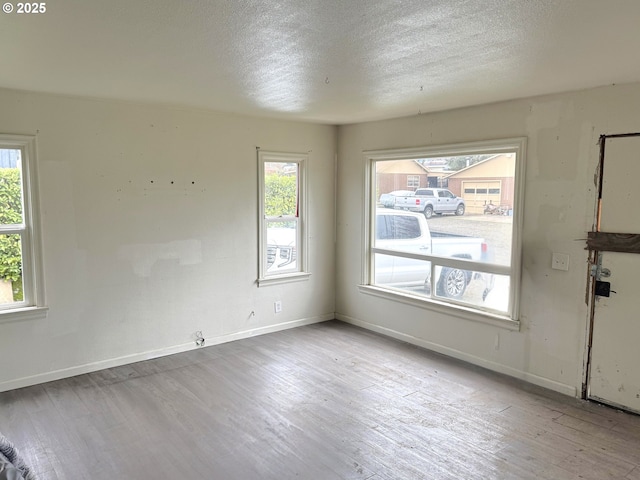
(282, 236)
(401, 228)
(21, 289)
(413, 181)
(449, 251)
(446, 194)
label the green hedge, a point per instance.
(10, 214)
(280, 195)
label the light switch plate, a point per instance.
(560, 261)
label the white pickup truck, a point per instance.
(409, 232)
(430, 201)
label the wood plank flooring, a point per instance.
(327, 401)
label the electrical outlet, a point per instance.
(277, 306)
(560, 261)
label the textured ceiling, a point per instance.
(330, 61)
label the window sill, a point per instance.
(276, 280)
(449, 309)
(20, 314)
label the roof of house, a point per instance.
(501, 165)
(409, 167)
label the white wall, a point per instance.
(134, 268)
(562, 155)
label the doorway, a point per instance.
(613, 373)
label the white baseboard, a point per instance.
(148, 355)
(139, 357)
(481, 362)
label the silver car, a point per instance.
(388, 200)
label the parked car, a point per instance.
(409, 232)
(281, 250)
(430, 201)
(388, 200)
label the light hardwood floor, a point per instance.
(327, 401)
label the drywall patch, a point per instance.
(555, 139)
(558, 151)
(143, 257)
(544, 115)
(550, 214)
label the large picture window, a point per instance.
(282, 242)
(455, 247)
(21, 289)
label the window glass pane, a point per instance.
(485, 185)
(392, 175)
(10, 187)
(400, 231)
(473, 288)
(381, 228)
(403, 273)
(403, 227)
(281, 189)
(282, 238)
(10, 269)
(413, 276)
(482, 238)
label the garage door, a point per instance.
(478, 194)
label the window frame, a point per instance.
(510, 319)
(33, 305)
(302, 263)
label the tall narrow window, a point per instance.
(457, 246)
(21, 290)
(282, 242)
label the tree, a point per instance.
(280, 195)
(11, 214)
(464, 161)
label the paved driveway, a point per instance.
(495, 229)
